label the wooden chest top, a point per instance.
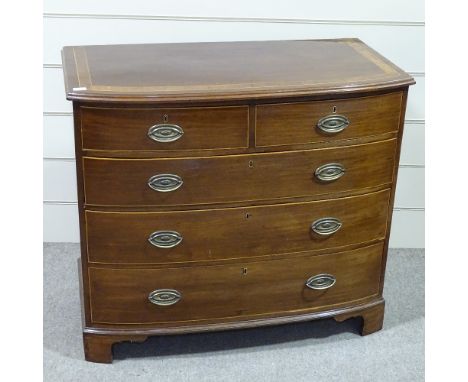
(225, 70)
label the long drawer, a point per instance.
(145, 296)
(167, 237)
(318, 121)
(237, 178)
(164, 129)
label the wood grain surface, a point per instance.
(120, 295)
(127, 129)
(217, 234)
(296, 123)
(228, 70)
(236, 178)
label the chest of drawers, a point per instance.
(232, 185)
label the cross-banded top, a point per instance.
(225, 70)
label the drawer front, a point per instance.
(233, 291)
(297, 123)
(166, 237)
(236, 178)
(164, 129)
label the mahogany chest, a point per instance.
(232, 185)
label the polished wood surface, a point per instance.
(237, 178)
(250, 148)
(100, 337)
(120, 295)
(296, 123)
(372, 317)
(233, 70)
(98, 348)
(119, 237)
(127, 129)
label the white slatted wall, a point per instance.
(395, 28)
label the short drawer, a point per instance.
(164, 129)
(301, 283)
(237, 178)
(312, 122)
(168, 237)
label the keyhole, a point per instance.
(244, 271)
(247, 215)
(250, 163)
(165, 118)
(334, 109)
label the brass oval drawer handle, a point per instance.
(333, 123)
(330, 172)
(165, 239)
(326, 226)
(165, 182)
(165, 132)
(164, 297)
(322, 281)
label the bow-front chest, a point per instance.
(232, 185)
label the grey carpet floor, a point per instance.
(313, 351)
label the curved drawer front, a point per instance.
(236, 291)
(237, 178)
(318, 121)
(164, 129)
(128, 237)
